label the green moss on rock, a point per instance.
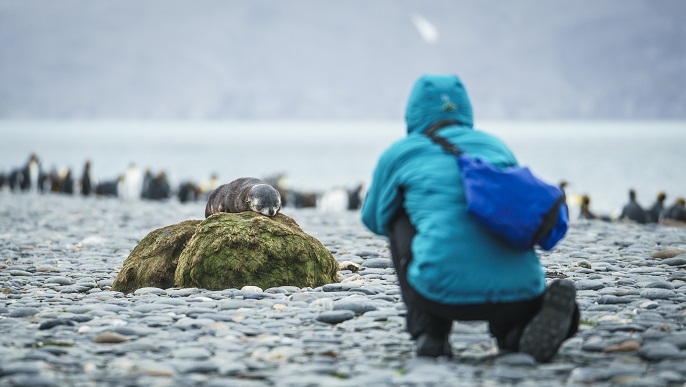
(153, 262)
(234, 250)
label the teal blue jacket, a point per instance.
(455, 260)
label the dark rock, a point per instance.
(356, 304)
(340, 287)
(49, 324)
(614, 300)
(335, 316)
(659, 351)
(676, 261)
(363, 290)
(659, 285)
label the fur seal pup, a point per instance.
(244, 194)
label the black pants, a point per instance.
(427, 316)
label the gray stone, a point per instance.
(23, 312)
(516, 359)
(335, 316)
(659, 351)
(33, 381)
(676, 261)
(340, 287)
(20, 273)
(659, 285)
(59, 280)
(154, 368)
(378, 263)
(17, 368)
(356, 304)
(589, 285)
(148, 308)
(49, 324)
(678, 339)
(657, 294)
(150, 290)
(191, 353)
(193, 323)
(231, 368)
(194, 366)
(234, 304)
(614, 300)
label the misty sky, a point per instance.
(306, 59)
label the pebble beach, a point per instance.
(61, 325)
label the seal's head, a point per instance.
(264, 199)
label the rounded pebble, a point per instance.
(335, 316)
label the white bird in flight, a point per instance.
(426, 29)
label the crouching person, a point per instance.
(449, 267)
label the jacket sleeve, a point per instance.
(383, 196)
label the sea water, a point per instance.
(601, 159)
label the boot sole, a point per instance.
(544, 334)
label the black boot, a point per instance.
(434, 346)
(544, 334)
(511, 340)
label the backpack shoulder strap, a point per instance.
(445, 144)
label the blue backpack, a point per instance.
(512, 203)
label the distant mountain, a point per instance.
(355, 59)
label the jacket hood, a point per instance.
(437, 97)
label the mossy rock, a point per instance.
(247, 248)
(153, 261)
